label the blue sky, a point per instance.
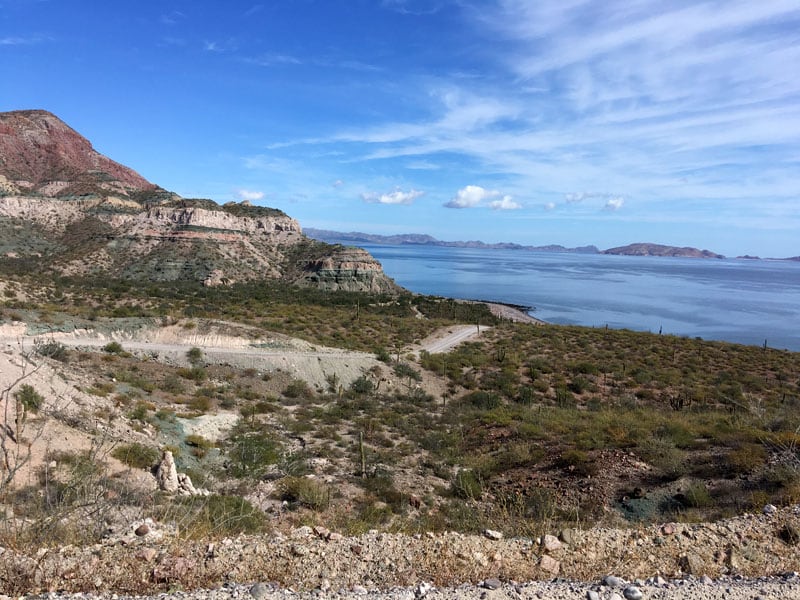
(570, 121)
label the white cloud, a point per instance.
(613, 204)
(549, 205)
(575, 197)
(249, 195)
(396, 197)
(505, 203)
(471, 196)
(337, 183)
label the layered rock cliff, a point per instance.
(67, 209)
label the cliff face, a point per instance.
(349, 269)
(41, 154)
(67, 209)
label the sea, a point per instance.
(744, 301)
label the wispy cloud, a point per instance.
(630, 96)
(613, 204)
(256, 8)
(269, 59)
(21, 40)
(414, 7)
(395, 197)
(171, 18)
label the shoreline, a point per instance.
(516, 313)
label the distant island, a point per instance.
(642, 249)
(416, 239)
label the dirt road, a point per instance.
(452, 337)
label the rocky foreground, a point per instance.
(752, 556)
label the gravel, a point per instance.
(785, 587)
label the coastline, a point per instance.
(512, 312)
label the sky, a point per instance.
(537, 122)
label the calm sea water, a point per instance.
(742, 301)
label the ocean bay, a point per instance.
(737, 300)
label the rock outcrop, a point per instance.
(39, 153)
(172, 482)
(69, 210)
(347, 268)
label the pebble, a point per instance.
(492, 534)
(259, 591)
(632, 593)
(492, 584)
(423, 589)
(592, 595)
(613, 581)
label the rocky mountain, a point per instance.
(643, 249)
(67, 209)
(415, 239)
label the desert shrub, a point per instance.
(136, 455)
(580, 384)
(482, 400)
(663, 455)
(201, 517)
(194, 374)
(697, 496)
(173, 385)
(298, 389)
(789, 534)
(200, 404)
(52, 349)
(251, 453)
(200, 445)
(141, 411)
(27, 397)
(577, 462)
(195, 356)
(402, 369)
(113, 348)
(746, 458)
(361, 386)
(303, 491)
(466, 485)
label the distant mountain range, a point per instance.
(417, 239)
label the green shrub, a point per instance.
(361, 386)
(298, 389)
(113, 348)
(202, 517)
(577, 462)
(195, 374)
(28, 398)
(697, 496)
(466, 485)
(137, 455)
(746, 458)
(195, 356)
(303, 491)
(252, 453)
